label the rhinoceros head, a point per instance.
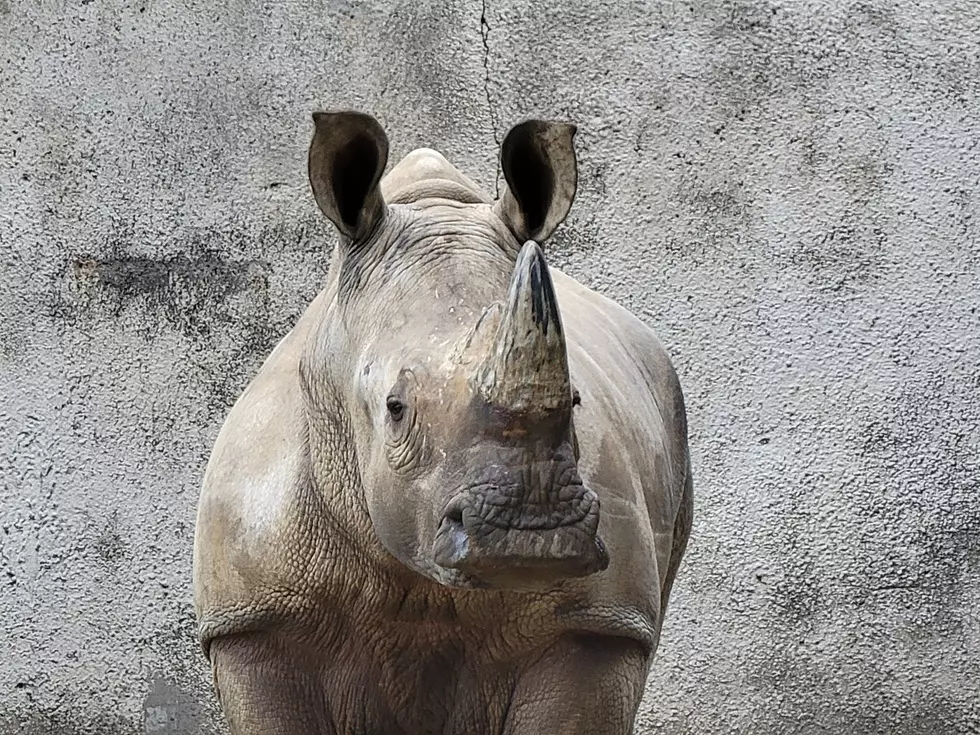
(437, 380)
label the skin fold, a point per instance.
(455, 497)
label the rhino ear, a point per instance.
(347, 156)
(538, 161)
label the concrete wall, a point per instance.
(786, 191)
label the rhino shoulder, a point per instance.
(633, 436)
(250, 555)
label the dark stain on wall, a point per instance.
(914, 563)
(170, 707)
(850, 246)
(873, 19)
(722, 213)
(874, 713)
(209, 289)
(110, 547)
(919, 421)
(797, 596)
(434, 75)
(744, 41)
(178, 645)
(574, 237)
(187, 291)
(31, 719)
(846, 252)
(768, 50)
(718, 217)
(965, 208)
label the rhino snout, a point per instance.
(498, 541)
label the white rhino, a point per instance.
(455, 496)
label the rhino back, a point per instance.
(425, 173)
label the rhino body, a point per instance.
(455, 497)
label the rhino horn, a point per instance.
(526, 370)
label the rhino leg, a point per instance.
(583, 684)
(262, 692)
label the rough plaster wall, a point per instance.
(787, 192)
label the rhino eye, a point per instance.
(396, 409)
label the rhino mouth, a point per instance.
(500, 540)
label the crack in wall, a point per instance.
(485, 35)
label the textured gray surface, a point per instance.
(787, 192)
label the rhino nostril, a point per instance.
(455, 515)
(453, 543)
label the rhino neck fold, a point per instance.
(526, 370)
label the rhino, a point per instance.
(455, 496)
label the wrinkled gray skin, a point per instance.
(444, 505)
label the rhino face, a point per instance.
(445, 352)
